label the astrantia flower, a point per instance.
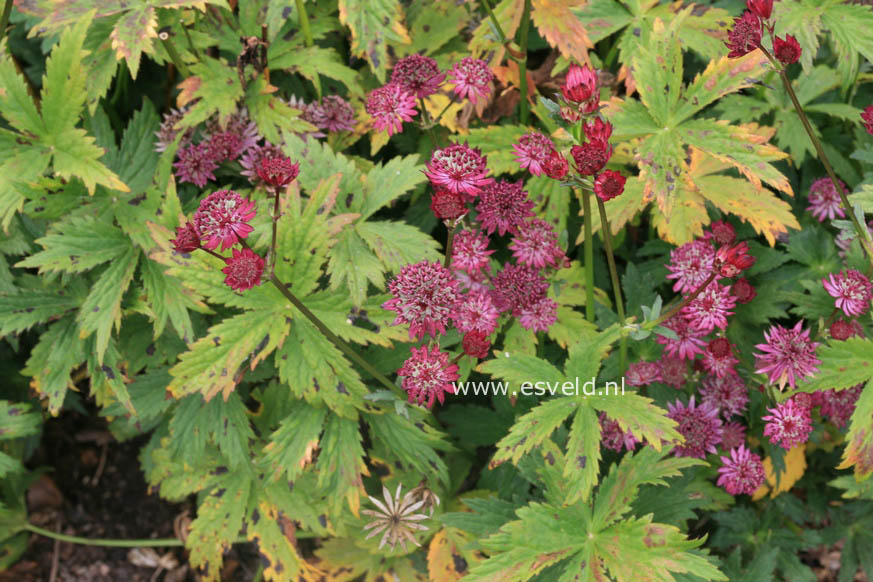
(709, 310)
(718, 359)
(425, 297)
(842, 330)
(743, 290)
(390, 106)
(556, 166)
(223, 218)
(503, 206)
(838, 405)
(673, 371)
(643, 373)
(727, 394)
(539, 316)
(418, 75)
(691, 264)
(277, 171)
(459, 168)
(590, 157)
(476, 344)
(580, 88)
(824, 200)
(471, 78)
(846, 237)
(700, 426)
(730, 261)
(612, 437)
(334, 114)
(253, 157)
(310, 113)
(516, 287)
(239, 124)
(760, 8)
(733, 434)
(788, 424)
(470, 251)
(786, 51)
(476, 312)
(536, 244)
(722, 232)
(428, 375)
(745, 36)
(789, 355)
(852, 291)
(226, 145)
(167, 132)
(742, 472)
(597, 129)
(447, 205)
(608, 185)
(867, 119)
(397, 518)
(243, 270)
(195, 164)
(187, 240)
(690, 342)
(532, 151)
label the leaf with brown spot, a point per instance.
(859, 440)
(560, 27)
(133, 34)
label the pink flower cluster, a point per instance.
(417, 77)
(748, 29)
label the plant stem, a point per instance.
(446, 108)
(450, 241)
(493, 18)
(616, 284)
(4, 20)
(823, 158)
(685, 301)
(273, 236)
(303, 17)
(522, 63)
(213, 253)
(106, 542)
(174, 56)
(334, 339)
(589, 256)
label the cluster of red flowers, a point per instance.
(417, 77)
(222, 219)
(748, 30)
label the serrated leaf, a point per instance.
(197, 424)
(291, 445)
(77, 245)
(639, 415)
(340, 463)
(859, 440)
(559, 26)
(397, 244)
(374, 25)
(533, 429)
(217, 88)
(133, 34)
(219, 521)
(16, 104)
(583, 455)
(353, 266)
(310, 62)
(843, 364)
(388, 182)
(22, 311)
(495, 144)
(17, 420)
(410, 440)
(52, 359)
(794, 465)
(271, 114)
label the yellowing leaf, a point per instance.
(133, 34)
(560, 27)
(374, 24)
(859, 441)
(485, 42)
(445, 560)
(795, 466)
(435, 105)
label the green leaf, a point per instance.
(639, 415)
(16, 104)
(271, 114)
(532, 429)
(374, 25)
(583, 455)
(17, 420)
(353, 266)
(859, 440)
(22, 311)
(310, 62)
(410, 440)
(63, 94)
(169, 300)
(219, 521)
(584, 356)
(397, 244)
(388, 182)
(658, 70)
(495, 142)
(843, 364)
(217, 88)
(341, 463)
(196, 423)
(52, 360)
(292, 444)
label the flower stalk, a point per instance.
(589, 255)
(522, 63)
(303, 18)
(616, 284)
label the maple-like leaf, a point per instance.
(374, 25)
(557, 23)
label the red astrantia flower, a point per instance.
(459, 168)
(226, 145)
(691, 264)
(733, 435)
(838, 405)
(195, 164)
(760, 8)
(824, 200)
(612, 437)
(788, 424)
(556, 166)
(709, 310)
(597, 129)
(418, 75)
(608, 185)
(581, 88)
(745, 36)
(472, 79)
(743, 290)
(187, 240)
(516, 287)
(590, 157)
(643, 373)
(425, 297)
(243, 270)
(223, 219)
(470, 251)
(727, 394)
(843, 330)
(689, 343)
(536, 244)
(730, 261)
(539, 316)
(786, 51)
(277, 171)
(167, 132)
(447, 205)
(742, 472)
(867, 119)
(674, 371)
(852, 291)
(723, 233)
(253, 157)
(788, 355)
(718, 359)
(532, 151)
(503, 206)
(700, 425)
(428, 375)
(333, 114)
(476, 344)
(476, 312)
(390, 106)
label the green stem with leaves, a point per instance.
(822, 156)
(494, 21)
(174, 56)
(4, 20)
(589, 255)
(522, 62)
(616, 284)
